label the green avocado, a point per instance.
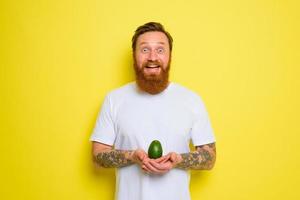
(155, 150)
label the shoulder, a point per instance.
(122, 92)
(190, 99)
(184, 92)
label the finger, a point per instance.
(163, 158)
(157, 172)
(141, 157)
(145, 169)
(160, 166)
(173, 157)
(145, 165)
(152, 168)
(145, 160)
(144, 157)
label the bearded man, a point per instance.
(153, 108)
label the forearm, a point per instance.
(202, 159)
(113, 158)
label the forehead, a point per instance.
(153, 37)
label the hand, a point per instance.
(156, 166)
(175, 158)
(163, 164)
(138, 156)
(141, 158)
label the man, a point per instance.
(153, 108)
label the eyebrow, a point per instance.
(151, 42)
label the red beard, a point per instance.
(152, 84)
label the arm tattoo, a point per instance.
(203, 158)
(113, 158)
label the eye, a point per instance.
(145, 50)
(160, 50)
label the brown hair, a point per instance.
(149, 27)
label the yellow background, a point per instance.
(59, 58)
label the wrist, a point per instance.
(135, 155)
(130, 156)
(178, 160)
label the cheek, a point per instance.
(165, 59)
(140, 60)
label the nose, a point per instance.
(152, 56)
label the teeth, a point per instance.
(152, 66)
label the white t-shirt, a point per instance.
(131, 119)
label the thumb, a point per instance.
(173, 157)
(141, 156)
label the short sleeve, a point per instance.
(104, 128)
(201, 132)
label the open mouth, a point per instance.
(152, 66)
(153, 69)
